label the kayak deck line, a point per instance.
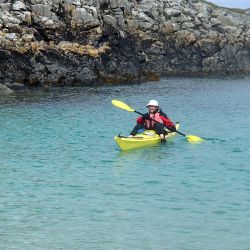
(123, 136)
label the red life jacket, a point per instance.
(150, 123)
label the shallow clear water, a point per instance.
(65, 184)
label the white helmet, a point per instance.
(153, 103)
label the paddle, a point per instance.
(122, 105)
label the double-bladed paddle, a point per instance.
(122, 105)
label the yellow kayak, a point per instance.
(147, 138)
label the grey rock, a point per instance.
(9, 19)
(203, 10)
(18, 5)
(176, 26)
(183, 18)
(43, 10)
(169, 12)
(167, 27)
(225, 21)
(28, 37)
(187, 25)
(82, 14)
(145, 25)
(242, 59)
(215, 21)
(11, 36)
(5, 6)
(4, 90)
(110, 20)
(86, 42)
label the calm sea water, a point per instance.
(64, 184)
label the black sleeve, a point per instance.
(146, 116)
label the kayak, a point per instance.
(147, 138)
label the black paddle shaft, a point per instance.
(156, 121)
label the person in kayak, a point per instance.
(145, 122)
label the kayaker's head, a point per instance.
(153, 106)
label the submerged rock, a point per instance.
(4, 90)
(87, 42)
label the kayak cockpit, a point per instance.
(146, 138)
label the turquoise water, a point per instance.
(65, 184)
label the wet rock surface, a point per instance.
(90, 42)
(4, 90)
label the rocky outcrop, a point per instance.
(4, 90)
(86, 42)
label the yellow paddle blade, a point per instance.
(193, 138)
(122, 105)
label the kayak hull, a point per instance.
(147, 138)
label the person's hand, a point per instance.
(173, 129)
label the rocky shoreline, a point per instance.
(94, 42)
